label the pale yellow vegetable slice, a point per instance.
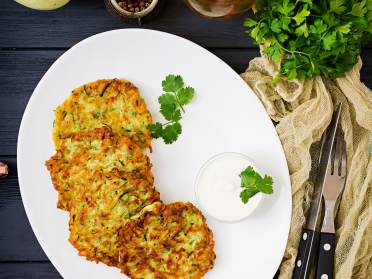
(43, 4)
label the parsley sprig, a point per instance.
(252, 183)
(312, 37)
(172, 103)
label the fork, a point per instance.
(335, 181)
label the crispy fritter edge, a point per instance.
(99, 133)
(109, 260)
(169, 209)
(139, 102)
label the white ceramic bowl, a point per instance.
(217, 187)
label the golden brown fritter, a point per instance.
(104, 180)
(82, 155)
(115, 103)
(99, 210)
(169, 242)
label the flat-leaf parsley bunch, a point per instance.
(309, 38)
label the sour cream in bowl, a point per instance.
(218, 187)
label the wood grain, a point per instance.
(17, 240)
(22, 27)
(28, 270)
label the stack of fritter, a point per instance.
(104, 180)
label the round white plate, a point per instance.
(225, 116)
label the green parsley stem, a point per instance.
(183, 110)
(166, 123)
(291, 51)
(179, 103)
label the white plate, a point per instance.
(225, 116)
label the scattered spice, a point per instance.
(4, 170)
(134, 6)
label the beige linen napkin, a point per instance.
(302, 110)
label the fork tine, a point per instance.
(333, 160)
(340, 154)
(338, 161)
(343, 159)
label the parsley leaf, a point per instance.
(185, 95)
(249, 22)
(248, 193)
(301, 16)
(252, 183)
(168, 107)
(359, 9)
(337, 7)
(274, 52)
(318, 28)
(156, 130)
(172, 83)
(344, 29)
(171, 132)
(170, 113)
(329, 41)
(302, 31)
(171, 105)
(276, 26)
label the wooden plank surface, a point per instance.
(17, 240)
(28, 270)
(22, 27)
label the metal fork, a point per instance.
(334, 184)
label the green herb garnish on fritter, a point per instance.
(252, 183)
(172, 104)
(312, 38)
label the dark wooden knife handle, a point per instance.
(308, 248)
(326, 256)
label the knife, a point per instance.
(308, 246)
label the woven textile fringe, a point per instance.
(303, 110)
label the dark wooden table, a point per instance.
(30, 42)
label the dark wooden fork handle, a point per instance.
(326, 256)
(307, 250)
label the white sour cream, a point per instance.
(218, 187)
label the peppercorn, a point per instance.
(4, 170)
(134, 6)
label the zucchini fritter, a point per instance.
(108, 102)
(170, 242)
(104, 180)
(99, 210)
(82, 156)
